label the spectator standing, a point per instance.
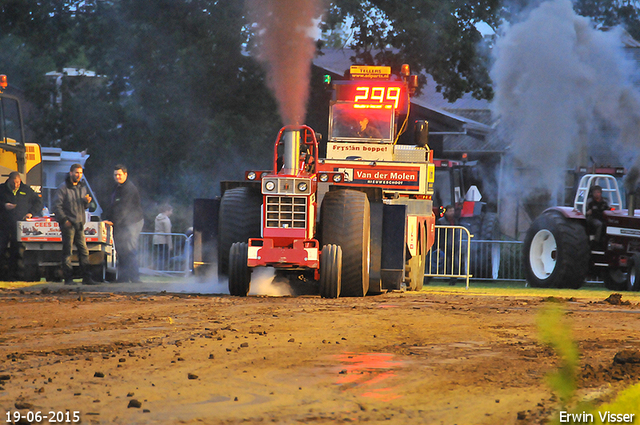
(70, 204)
(17, 202)
(126, 216)
(162, 244)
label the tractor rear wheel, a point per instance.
(634, 273)
(556, 252)
(346, 223)
(239, 272)
(239, 220)
(330, 271)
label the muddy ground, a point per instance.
(434, 357)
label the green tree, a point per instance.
(609, 13)
(439, 37)
(175, 97)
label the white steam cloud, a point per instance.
(557, 80)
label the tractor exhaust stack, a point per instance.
(291, 159)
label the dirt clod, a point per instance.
(627, 356)
(616, 299)
(134, 403)
(23, 405)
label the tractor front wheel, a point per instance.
(556, 252)
(330, 271)
(239, 272)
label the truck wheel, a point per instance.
(99, 272)
(111, 277)
(239, 220)
(634, 273)
(346, 223)
(239, 272)
(330, 271)
(556, 252)
(31, 273)
(27, 268)
(53, 274)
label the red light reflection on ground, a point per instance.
(372, 372)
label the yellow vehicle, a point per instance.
(15, 153)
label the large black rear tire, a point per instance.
(330, 271)
(239, 220)
(239, 272)
(556, 252)
(346, 223)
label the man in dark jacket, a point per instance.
(17, 202)
(72, 200)
(126, 216)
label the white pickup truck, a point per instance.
(41, 237)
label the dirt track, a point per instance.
(428, 358)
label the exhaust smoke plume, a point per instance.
(558, 80)
(285, 30)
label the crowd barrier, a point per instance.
(454, 254)
(449, 256)
(154, 260)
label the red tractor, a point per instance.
(359, 221)
(480, 218)
(561, 249)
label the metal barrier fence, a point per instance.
(158, 260)
(497, 260)
(455, 254)
(449, 256)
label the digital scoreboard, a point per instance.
(373, 94)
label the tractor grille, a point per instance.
(286, 212)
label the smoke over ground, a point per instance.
(557, 80)
(285, 30)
